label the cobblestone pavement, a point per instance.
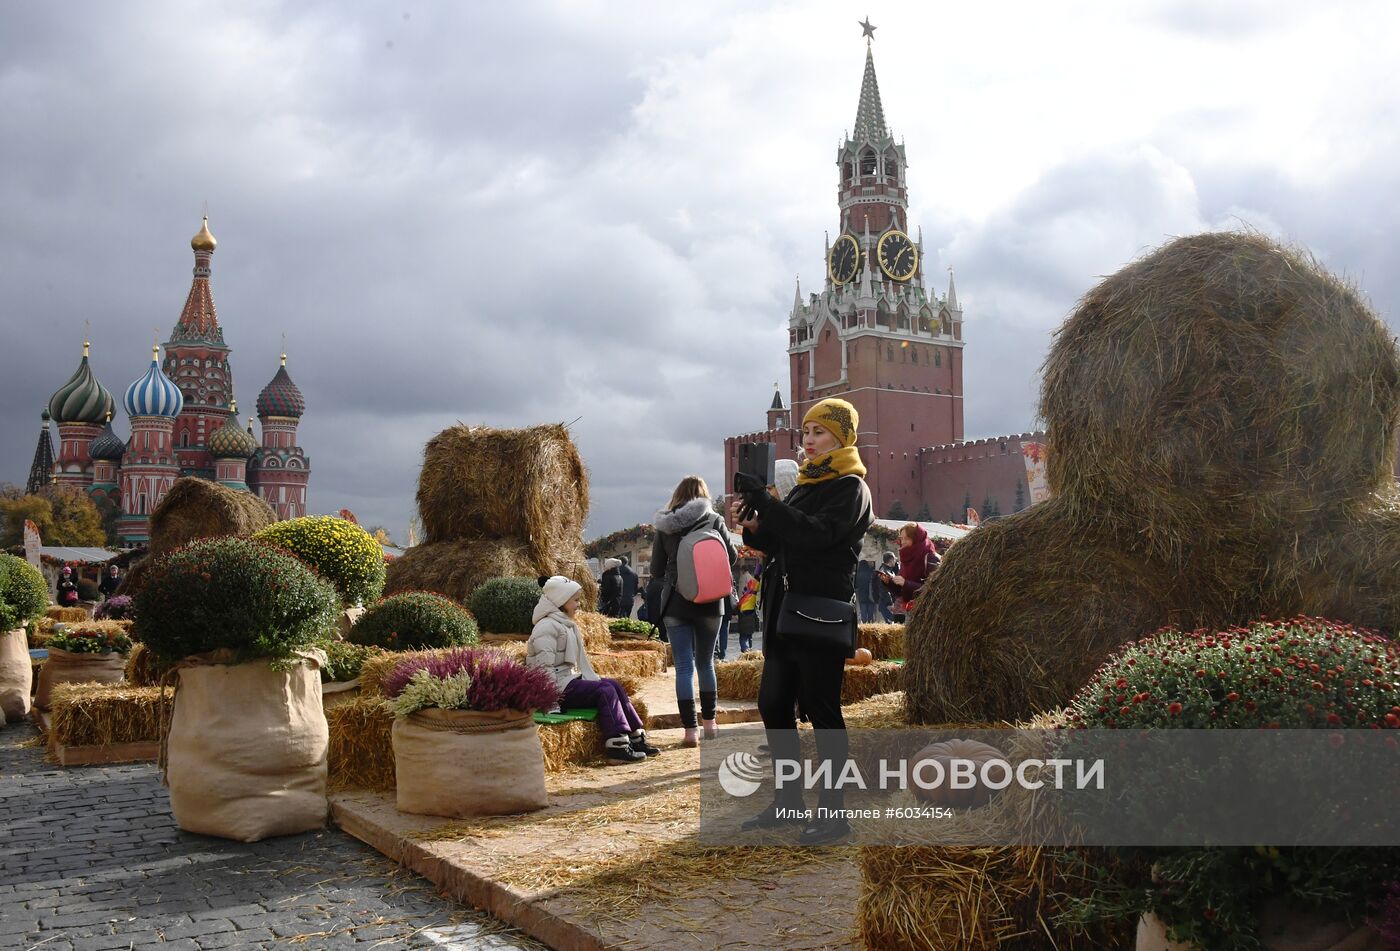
(90, 859)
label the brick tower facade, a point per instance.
(197, 360)
(875, 334)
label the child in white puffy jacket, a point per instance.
(556, 645)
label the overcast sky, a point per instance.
(593, 212)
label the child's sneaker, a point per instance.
(640, 744)
(620, 748)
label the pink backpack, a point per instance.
(702, 565)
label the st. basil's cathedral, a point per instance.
(184, 422)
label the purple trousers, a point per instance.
(616, 715)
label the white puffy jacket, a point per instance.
(556, 645)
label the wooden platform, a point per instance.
(806, 904)
(143, 752)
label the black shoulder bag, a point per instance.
(814, 621)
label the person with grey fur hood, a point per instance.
(691, 628)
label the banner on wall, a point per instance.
(1034, 453)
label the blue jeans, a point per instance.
(692, 653)
(867, 611)
(886, 614)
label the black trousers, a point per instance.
(793, 675)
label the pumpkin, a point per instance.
(947, 751)
(862, 657)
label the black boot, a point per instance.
(640, 744)
(619, 748)
(707, 715)
(686, 707)
(778, 813)
(824, 831)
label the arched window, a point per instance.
(848, 171)
(867, 162)
(891, 166)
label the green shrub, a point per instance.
(343, 660)
(414, 620)
(239, 594)
(625, 625)
(506, 605)
(340, 551)
(24, 594)
(1304, 673)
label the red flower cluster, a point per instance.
(1300, 673)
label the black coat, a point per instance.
(108, 585)
(813, 537)
(608, 589)
(865, 577)
(629, 590)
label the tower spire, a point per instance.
(870, 114)
(41, 470)
(952, 298)
(198, 319)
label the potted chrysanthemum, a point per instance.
(236, 621)
(341, 552)
(82, 654)
(464, 735)
(23, 598)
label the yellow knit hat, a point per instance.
(837, 417)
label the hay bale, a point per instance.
(1221, 421)
(1221, 390)
(884, 641)
(978, 898)
(635, 664)
(1020, 614)
(103, 715)
(862, 682)
(916, 898)
(141, 670)
(738, 679)
(361, 750)
(482, 484)
(197, 508)
(66, 615)
(597, 636)
(458, 568)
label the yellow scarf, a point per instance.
(835, 464)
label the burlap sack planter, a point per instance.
(462, 763)
(16, 675)
(246, 750)
(66, 667)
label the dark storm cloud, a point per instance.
(561, 212)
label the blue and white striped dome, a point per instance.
(154, 394)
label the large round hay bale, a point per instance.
(1023, 610)
(197, 508)
(485, 484)
(1221, 390)
(457, 568)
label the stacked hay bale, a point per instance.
(1221, 419)
(884, 641)
(197, 508)
(740, 679)
(497, 503)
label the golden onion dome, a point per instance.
(204, 241)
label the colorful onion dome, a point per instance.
(109, 446)
(281, 397)
(82, 399)
(204, 241)
(231, 442)
(154, 394)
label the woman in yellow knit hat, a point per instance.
(813, 538)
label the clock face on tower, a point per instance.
(843, 260)
(897, 255)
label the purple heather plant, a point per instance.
(1388, 923)
(498, 682)
(115, 609)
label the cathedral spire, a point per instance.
(870, 115)
(199, 320)
(952, 298)
(41, 471)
